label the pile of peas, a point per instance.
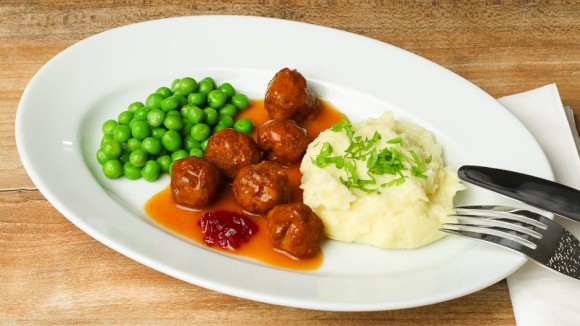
(172, 124)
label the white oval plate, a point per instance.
(58, 131)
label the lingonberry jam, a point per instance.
(226, 229)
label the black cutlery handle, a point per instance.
(541, 193)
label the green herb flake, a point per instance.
(397, 140)
(388, 160)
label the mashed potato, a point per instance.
(399, 211)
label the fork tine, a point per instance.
(489, 235)
(504, 213)
(498, 223)
(514, 228)
(526, 232)
(524, 227)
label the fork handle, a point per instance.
(541, 193)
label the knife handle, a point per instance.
(541, 193)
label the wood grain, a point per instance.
(51, 272)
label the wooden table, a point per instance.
(50, 271)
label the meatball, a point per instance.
(260, 187)
(230, 151)
(289, 97)
(194, 182)
(282, 140)
(296, 229)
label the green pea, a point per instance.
(186, 127)
(182, 100)
(226, 120)
(122, 133)
(151, 145)
(108, 126)
(211, 81)
(175, 83)
(134, 106)
(164, 162)
(138, 157)
(216, 99)
(171, 140)
(125, 117)
(195, 115)
(153, 101)
(189, 143)
(112, 169)
(186, 86)
(131, 172)
(165, 92)
(211, 116)
(219, 127)
(102, 157)
(240, 101)
(205, 87)
(140, 115)
(179, 154)
(229, 109)
(185, 110)
(228, 89)
(140, 130)
(151, 170)
(174, 113)
(155, 117)
(170, 103)
(170, 169)
(200, 131)
(133, 144)
(204, 144)
(198, 99)
(112, 149)
(158, 132)
(132, 123)
(244, 125)
(173, 122)
(197, 152)
(106, 138)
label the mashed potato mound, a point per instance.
(397, 216)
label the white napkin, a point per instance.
(539, 296)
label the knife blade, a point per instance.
(534, 191)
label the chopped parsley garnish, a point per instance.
(389, 160)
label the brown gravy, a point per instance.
(162, 209)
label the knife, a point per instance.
(537, 192)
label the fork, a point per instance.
(534, 235)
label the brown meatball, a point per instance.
(194, 182)
(289, 97)
(260, 187)
(230, 151)
(282, 140)
(296, 229)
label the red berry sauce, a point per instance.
(226, 229)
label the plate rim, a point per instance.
(135, 255)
